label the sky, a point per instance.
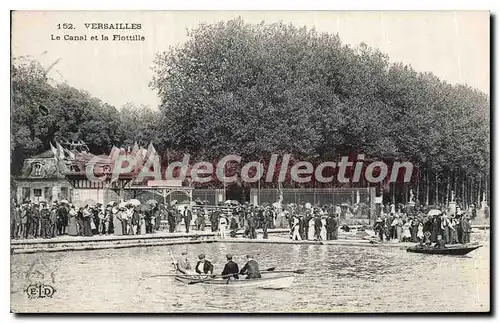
(452, 45)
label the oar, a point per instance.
(296, 271)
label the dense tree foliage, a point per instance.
(72, 115)
(259, 89)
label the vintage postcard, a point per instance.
(250, 161)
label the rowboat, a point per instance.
(279, 282)
(456, 250)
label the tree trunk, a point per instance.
(418, 188)
(436, 202)
(427, 188)
(448, 185)
(463, 192)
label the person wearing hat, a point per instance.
(45, 221)
(231, 269)
(171, 220)
(466, 229)
(214, 220)
(183, 262)
(53, 221)
(35, 221)
(187, 215)
(452, 227)
(62, 219)
(72, 221)
(204, 266)
(440, 243)
(379, 228)
(251, 268)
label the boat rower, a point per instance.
(251, 268)
(230, 269)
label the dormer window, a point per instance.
(37, 169)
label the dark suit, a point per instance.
(251, 269)
(187, 219)
(171, 221)
(230, 270)
(207, 267)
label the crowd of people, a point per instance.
(39, 220)
(418, 226)
(305, 222)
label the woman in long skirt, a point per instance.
(323, 229)
(117, 223)
(142, 224)
(406, 235)
(420, 232)
(310, 233)
(87, 217)
(72, 226)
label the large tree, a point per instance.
(254, 90)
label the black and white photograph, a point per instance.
(262, 161)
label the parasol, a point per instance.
(434, 212)
(152, 202)
(64, 202)
(144, 207)
(134, 202)
(308, 205)
(123, 205)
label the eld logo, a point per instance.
(39, 291)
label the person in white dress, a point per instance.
(223, 226)
(142, 223)
(420, 231)
(406, 235)
(323, 228)
(310, 234)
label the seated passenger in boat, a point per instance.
(440, 243)
(230, 269)
(251, 268)
(183, 264)
(204, 266)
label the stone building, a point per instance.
(60, 173)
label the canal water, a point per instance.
(337, 279)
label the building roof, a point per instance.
(45, 154)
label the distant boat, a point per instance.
(456, 250)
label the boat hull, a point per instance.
(452, 250)
(280, 282)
